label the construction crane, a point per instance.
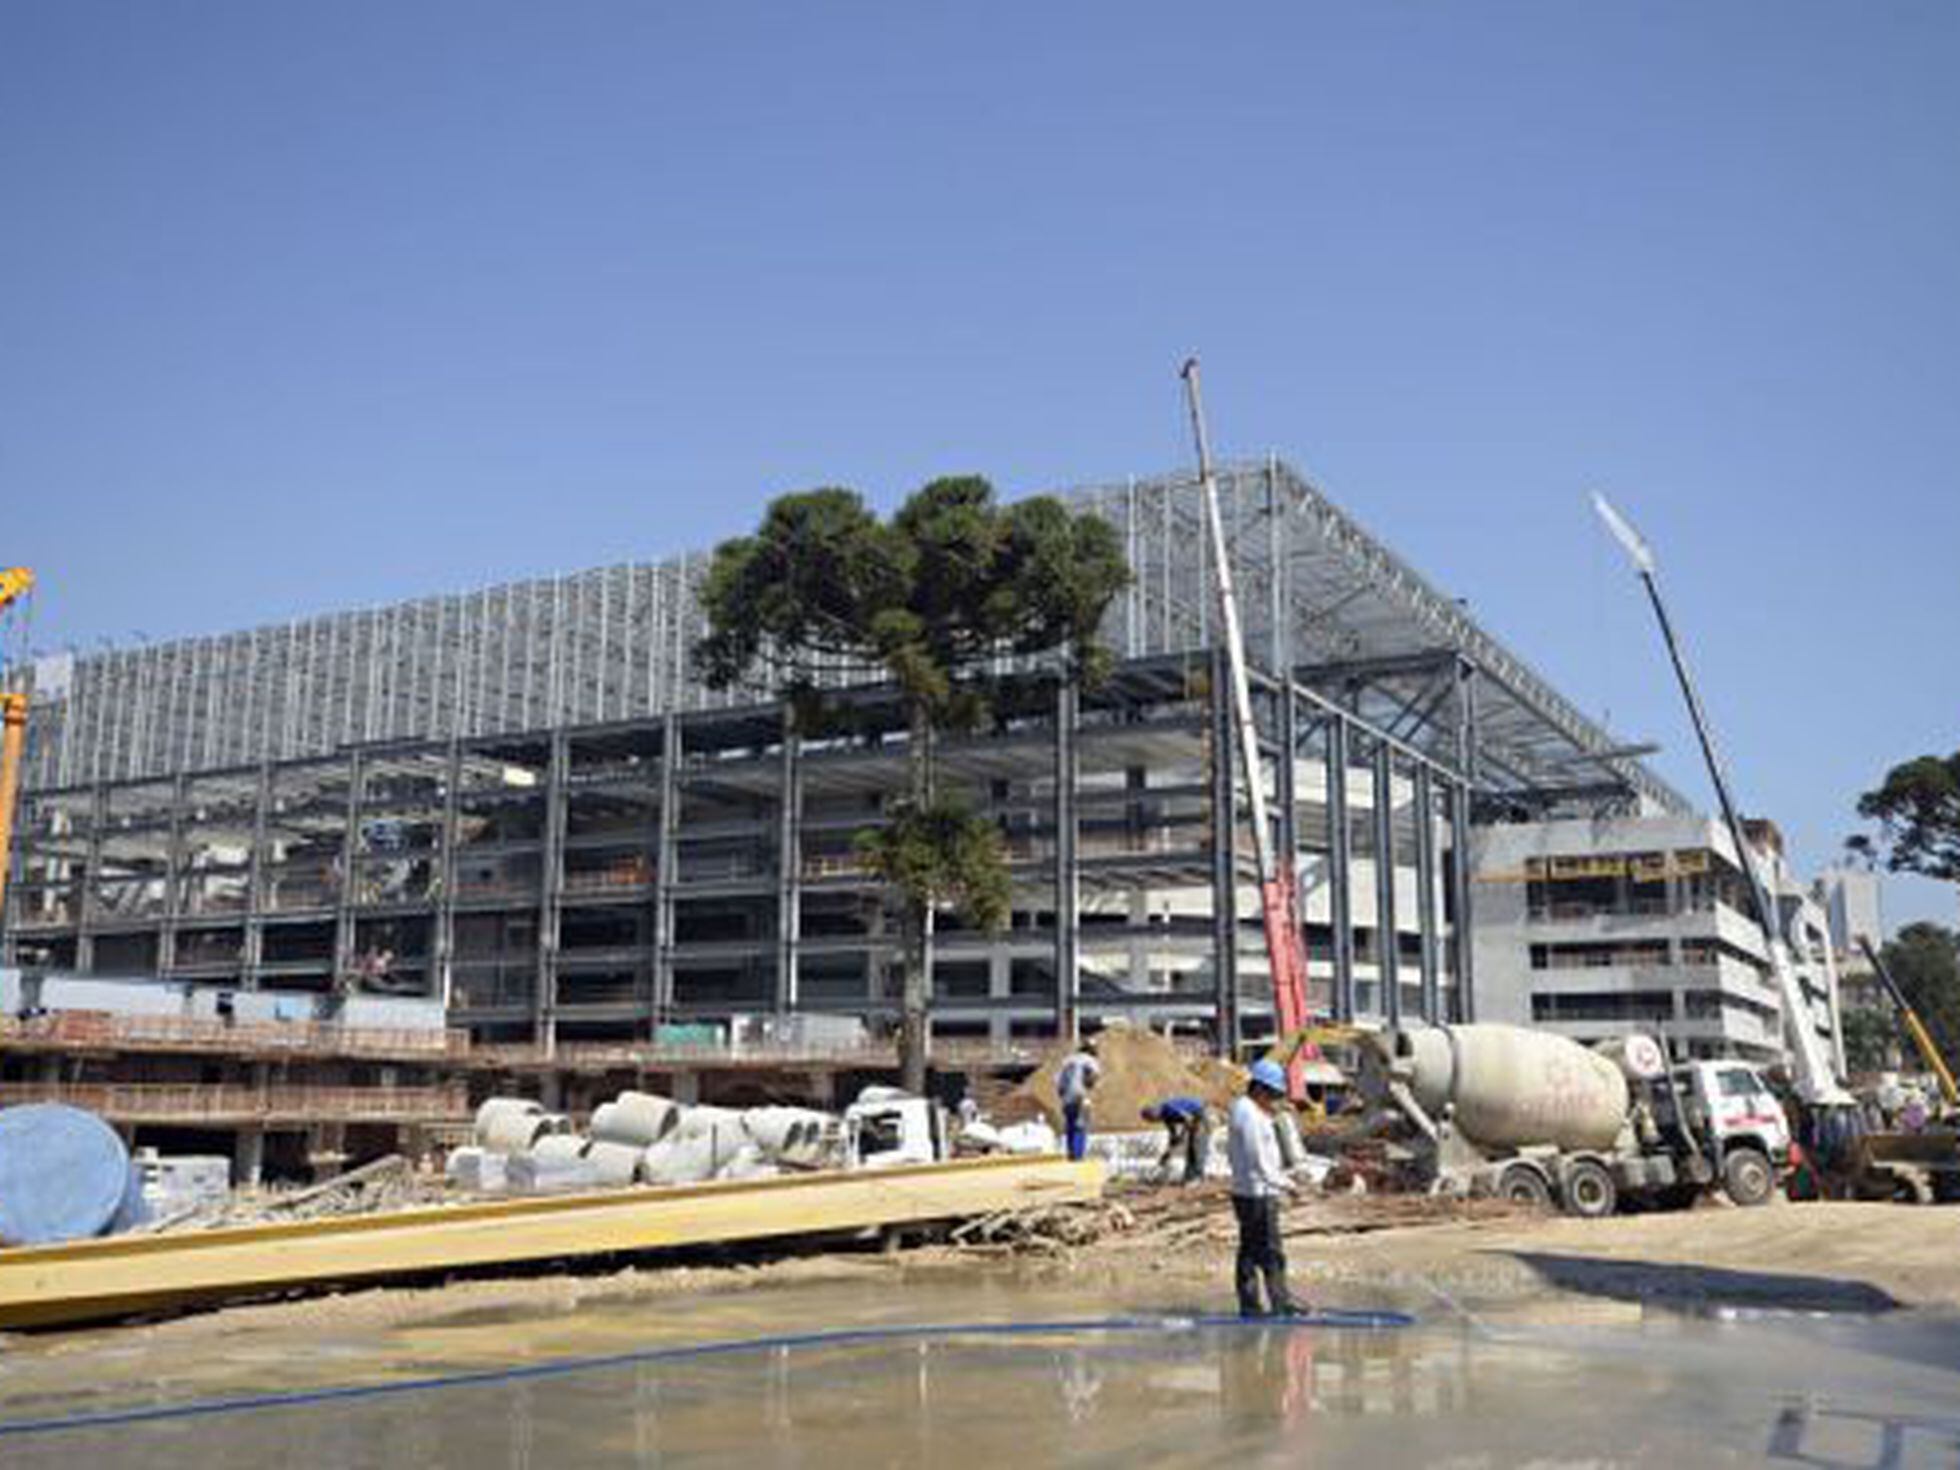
(15, 584)
(1816, 1080)
(1915, 1028)
(1278, 886)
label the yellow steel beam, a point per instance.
(45, 1286)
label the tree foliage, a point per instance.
(1871, 1036)
(1924, 959)
(1917, 808)
(931, 600)
(946, 856)
(953, 581)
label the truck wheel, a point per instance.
(1589, 1190)
(1747, 1177)
(1523, 1185)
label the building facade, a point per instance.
(1596, 928)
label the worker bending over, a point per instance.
(1258, 1182)
(1073, 1084)
(1187, 1129)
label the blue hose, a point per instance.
(560, 1367)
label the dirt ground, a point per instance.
(1837, 1256)
(1421, 1255)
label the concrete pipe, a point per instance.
(1512, 1087)
(560, 1147)
(614, 1163)
(698, 1120)
(63, 1174)
(638, 1118)
(533, 1173)
(681, 1160)
(721, 1128)
(747, 1162)
(509, 1125)
(780, 1131)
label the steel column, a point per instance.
(173, 876)
(1388, 966)
(1068, 936)
(254, 955)
(789, 863)
(1425, 810)
(663, 877)
(1466, 760)
(1339, 857)
(444, 944)
(91, 876)
(350, 864)
(557, 772)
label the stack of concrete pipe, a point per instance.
(641, 1138)
(514, 1125)
(637, 1118)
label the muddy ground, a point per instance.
(1529, 1267)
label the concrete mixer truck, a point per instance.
(1533, 1116)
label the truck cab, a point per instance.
(886, 1128)
(1745, 1125)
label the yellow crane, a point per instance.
(15, 583)
(1929, 1050)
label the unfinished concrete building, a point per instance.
(519, 800)
(1597, 927)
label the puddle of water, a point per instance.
(1750, 1389)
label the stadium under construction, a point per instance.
(520, 801)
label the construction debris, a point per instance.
(1175, 1219)
(385, 1184)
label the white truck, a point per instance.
(888, 1127)
(1532, 1116)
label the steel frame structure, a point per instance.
(594, 882)
(1319, 592)
(523, 799)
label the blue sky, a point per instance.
(308, 306)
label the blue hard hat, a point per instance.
(1269, 1075)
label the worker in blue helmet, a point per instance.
(1187, 1136)
(1259, 1183)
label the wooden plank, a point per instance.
(52, 1285)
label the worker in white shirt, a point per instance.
(1073, 1083)
(1258, 1183)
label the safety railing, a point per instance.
(102, 1030)
(227, 1101)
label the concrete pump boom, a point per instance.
(1817, 1082)
(1285, 951)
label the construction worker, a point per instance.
(1258, 1183)
(1073, 1083)
(1187, 1129)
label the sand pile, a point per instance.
(1138, 1068)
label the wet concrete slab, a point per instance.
(1615, 1385)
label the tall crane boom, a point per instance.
(1278, 890)
(1817, 1081)
(15, 584)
